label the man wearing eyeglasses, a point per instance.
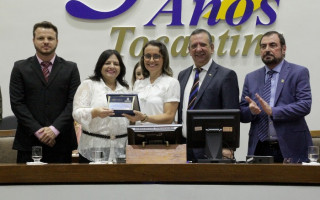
(217, 85)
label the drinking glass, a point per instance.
(36, 153)
(313, 153)
(97, 156)
(120, 154)
(287, 160)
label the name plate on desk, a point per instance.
(123, 104)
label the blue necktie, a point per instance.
(194, 89)
(263, 126)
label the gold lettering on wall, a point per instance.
(133, 46)
(223, 38)
(233, 50)
(121, 36)
(249, 42)
(179, 45)
(183, 51)
(164, 39)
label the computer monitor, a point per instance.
(208, 131)
(155, 134)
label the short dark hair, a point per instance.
(102, 59)
(281, 38)
(45, 24)
(165, 55)
(200, 30)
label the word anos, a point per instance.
(227, 10)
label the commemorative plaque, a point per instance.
(123, 104)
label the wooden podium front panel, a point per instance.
(193, 173)
(156, 154)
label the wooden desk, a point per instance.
(160, 173)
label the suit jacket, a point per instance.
(37, 103)
(219, 89)
(292, 103)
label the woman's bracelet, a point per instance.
(145, 118)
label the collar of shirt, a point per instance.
(276, 69)
(204, 67)
(158, 79)
(118, 86)
(52, 60)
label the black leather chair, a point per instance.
(8, 123)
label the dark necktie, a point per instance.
(263, 126)
(194, 89)
(45, 65)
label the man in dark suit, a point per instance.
(278, 127)
(41, 94)
(218, 86)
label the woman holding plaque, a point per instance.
(100, 131)
(158, 92)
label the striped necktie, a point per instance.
(45, 65)
(194, 89)
(263, 126)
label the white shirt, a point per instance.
(152, 96)
(92, 94)
(187, 90)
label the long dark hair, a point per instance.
(165, 55)
(102, 59)
(133, 79)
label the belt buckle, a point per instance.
(112, 137)
(273, 142)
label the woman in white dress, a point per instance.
(158, 92)
(101, 131)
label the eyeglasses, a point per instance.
(154, 56)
